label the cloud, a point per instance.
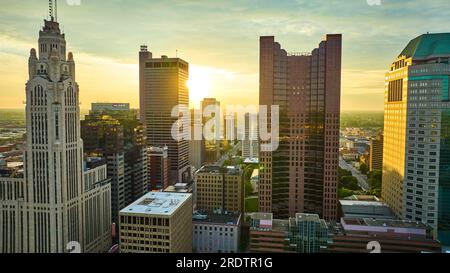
(221, 35)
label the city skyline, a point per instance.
(124, 180)
(217, 70)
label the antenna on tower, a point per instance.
(53, 10)
(50, 9)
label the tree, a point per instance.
(343, 172)
(248, 171)
(248, 188)
(375, 182)
(349, 182)
(363, 168)
(343, 193)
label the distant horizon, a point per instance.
(132, 108)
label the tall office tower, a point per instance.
(135, 147)
(103, 137)
(158, 168)
(158, 222)
(162, 87)
(196, 146)
(51, 205)
(230, 128)
(220, 188)
(376, 154)
(301, 176)
(250, 145)
(416, 156)
(212, 147)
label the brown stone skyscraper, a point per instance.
(162, 87)
(301, 176)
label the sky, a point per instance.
(220, 40)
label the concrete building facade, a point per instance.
(220, 188)
(50, 209)
(158, 222)
(216, 232)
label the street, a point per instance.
(362, 179)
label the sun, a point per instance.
(198, 84)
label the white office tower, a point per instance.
(51, 208)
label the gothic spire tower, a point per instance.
(54, 153)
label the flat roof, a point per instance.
(362, 203)
(372, 198)
(227, 218)
(214, 169)
(157, 203)
(384, 223)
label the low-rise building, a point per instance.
(216, 232)
(355, 235)
(268, 235)
(158, 222)
(365, 207)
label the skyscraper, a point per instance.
(158, 168)
(416, 156)
(55, 202)
(162, 87)
(113, 131)
(134, 143)
(103, 137)
(301, 176)
(196, 146)
(376, 154)
(212, 147)
(250, 144)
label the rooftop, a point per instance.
(361, 203)
(214, 169)
(428, 45)
(366, 209)
(363, 198)
(157, 203)
(384, 226)
(227, 218)
(110, 106)
(251, 161)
